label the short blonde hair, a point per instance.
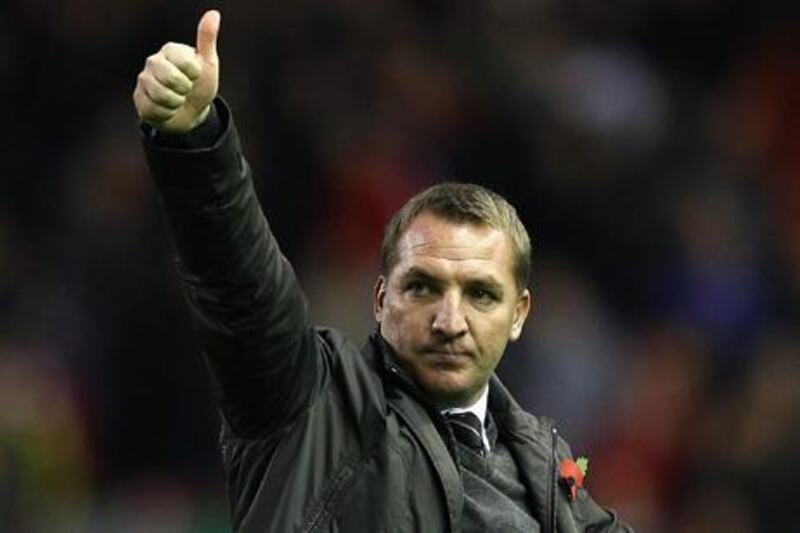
(462, 203)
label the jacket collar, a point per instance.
(507, 412)
(424, 421)
(531, 440)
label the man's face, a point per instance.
(450, 305)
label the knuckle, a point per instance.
(146, 82)
(172, 79)
(158, 112)
(158, 93)
(192, 69)
(180, 60)
(178, 84)
(174, 49)
(168, 98)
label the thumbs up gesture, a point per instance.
(178, 83)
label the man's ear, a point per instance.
(521, 311)
(378, 296)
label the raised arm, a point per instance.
(244, 297)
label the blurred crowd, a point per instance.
(651, 147)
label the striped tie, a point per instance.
(467, 429)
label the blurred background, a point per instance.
(651, 147)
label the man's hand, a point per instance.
(178, 83)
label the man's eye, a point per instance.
(482, 296)
(419, 288)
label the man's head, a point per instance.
(453, 291)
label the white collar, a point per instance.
(478, 409)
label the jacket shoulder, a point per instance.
(353, 370)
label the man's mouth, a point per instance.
(446, 357)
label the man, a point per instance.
(412, 432)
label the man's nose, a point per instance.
(450, 320)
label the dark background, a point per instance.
(651, 147)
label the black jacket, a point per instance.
(319, 434)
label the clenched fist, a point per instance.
(175, 89)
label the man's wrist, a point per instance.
(201, 118)
(204, 134)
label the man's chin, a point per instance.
(446, 387)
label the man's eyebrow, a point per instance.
(418, 273)
(488, 282)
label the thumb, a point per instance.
(207, 31)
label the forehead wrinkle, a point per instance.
(418, 240)
(459, 252)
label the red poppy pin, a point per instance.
(572, 474)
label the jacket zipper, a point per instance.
(326, 505)
(553, 481)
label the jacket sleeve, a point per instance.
(242, 292)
